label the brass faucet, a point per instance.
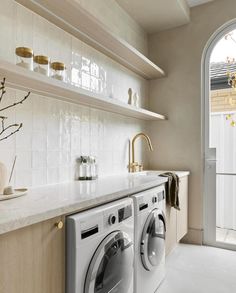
(135, 166)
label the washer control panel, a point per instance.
(111, 219)
(154, 199)
(124, 213)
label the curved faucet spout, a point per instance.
(148, 140)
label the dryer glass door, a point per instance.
(111, 268)
(152, 247)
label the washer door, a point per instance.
(152, 246)
(111, 268)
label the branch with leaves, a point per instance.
(7, 131)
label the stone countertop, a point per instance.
(47, 202)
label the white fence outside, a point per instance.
(223, 138)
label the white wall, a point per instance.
(55, 133)
(178, 140)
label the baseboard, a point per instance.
(194, 236)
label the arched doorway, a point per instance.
(209, 150)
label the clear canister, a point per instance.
(24, 57)
(41, 64)
(58, 71)
(94, 167)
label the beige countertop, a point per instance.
(46, 202)
(43, 203)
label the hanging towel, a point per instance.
(172, 189)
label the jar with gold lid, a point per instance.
(24, 57)
(58, 71)
(41, 64)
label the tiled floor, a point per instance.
(200, 269)
(225, 235)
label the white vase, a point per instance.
(3, 177)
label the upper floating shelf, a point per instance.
(21, 78)
(74, 19)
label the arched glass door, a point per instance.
(218, 123)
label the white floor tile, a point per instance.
(231, 237)
(200, 269)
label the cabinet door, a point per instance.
(170, 229)
(33, 259)
(182, 215)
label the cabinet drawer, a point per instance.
(33, 259)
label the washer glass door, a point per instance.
(111, 268)
(152, 245)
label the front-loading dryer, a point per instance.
(150, 229)
(100, 250)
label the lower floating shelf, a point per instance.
(24, 79)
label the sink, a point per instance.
(158, 172)
(147, 173)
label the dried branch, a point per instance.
(10, 134)
(2, 88)
(5, 129)
(17, 103)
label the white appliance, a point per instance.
(150, 228)
(100, 250)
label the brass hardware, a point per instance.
(59, 225)
(24, 52)
(58, 66)
(140, 167)
(40, 59)
(134, 166)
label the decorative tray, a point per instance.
(17, 193)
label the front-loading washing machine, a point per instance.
(150, 229)
(100, 250)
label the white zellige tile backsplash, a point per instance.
(55, 133)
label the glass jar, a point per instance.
(94, 168)
(58, 71)
(24, 57)
(82, 168)
(41, 64)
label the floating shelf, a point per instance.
(23, 79)
(71, 17)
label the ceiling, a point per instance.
(159, 15)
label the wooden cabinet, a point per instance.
(182, 215)
(33, 259)
(177, 221)
(170, 228)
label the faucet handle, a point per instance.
(134, 167)
(140, 167)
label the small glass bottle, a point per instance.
(94, 171)
(58, 71)
(24, 57)
(41, 64)
(82, 168)
(88, 174)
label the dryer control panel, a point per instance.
(148, 199)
